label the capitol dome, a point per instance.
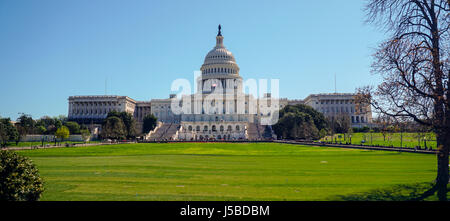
(219, 61)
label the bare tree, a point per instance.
(414, 64)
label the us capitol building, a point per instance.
(218, 110)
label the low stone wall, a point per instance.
(37, 138)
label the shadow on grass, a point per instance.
(413, 192)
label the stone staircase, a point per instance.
(171, 132)
(255, 131)
(166, 131)
(252, 132)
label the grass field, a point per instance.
(394, 139)
(224, 171)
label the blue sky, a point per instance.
(50, 50)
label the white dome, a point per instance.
(219, 68)
(219, 55)
(219, 61)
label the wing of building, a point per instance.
(218, 110)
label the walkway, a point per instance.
(398, 149)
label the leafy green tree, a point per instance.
(296, 125)
(51, 123)
(114, 128)
(149, 123)
(74, 127)
(322, 133)
(61, 118)
(62, 133)
(128, 121)
(7, 131)
(51, 129)
(58, 122)
(25, 125)
(41, 129)
(48, 123)
(299, 122)
(83, 127)
(4, 137)
(318, 118)
(267, 133)
(19, 178)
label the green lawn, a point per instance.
(229, 171)
(409, 140)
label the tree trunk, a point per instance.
(401, 139)
(442, 179)
(440, 111)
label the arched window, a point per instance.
(198, 128)
(213, 128)
(229, 128)
(205, 128)
(190, 128)
(221, 127)
(237, 128)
